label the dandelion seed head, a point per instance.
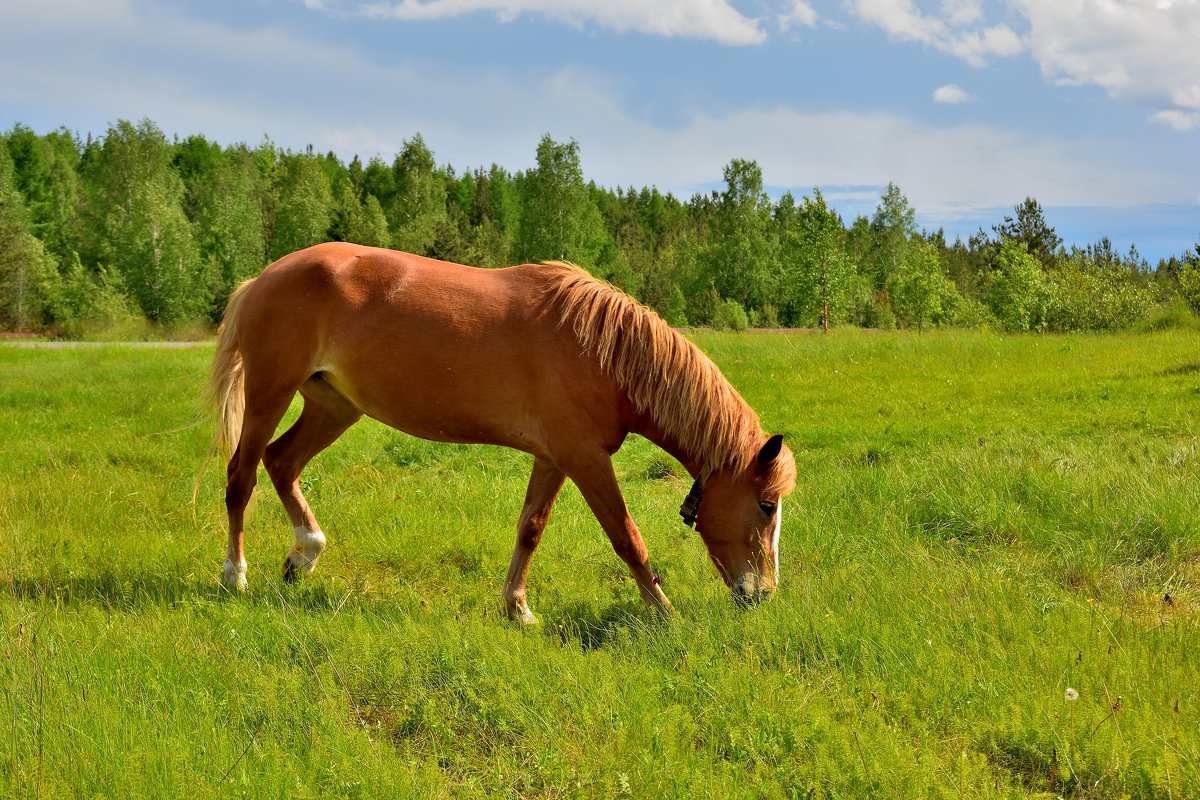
(1071, 694)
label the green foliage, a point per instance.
(94, 306)
(174, 226)
(358, 221)
(818, 274)
(28, 277)
(418, 206)
(1019, 295)
(304, 207)
(138, 224)
(1176, 316)
(745, 254)
(730, 316)
(1030, 230)
(704, 306)
(920, 288)
(892, 226)
(1189, 283)
(676, 311)
(46, 173)
(559, 219)
(1093, 293)
(230, 226)
(968, 312)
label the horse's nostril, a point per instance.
(744, 591)
(746, 594)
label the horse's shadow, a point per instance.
(133, 591)
(592, 628)
(113, 590)
(1182, 369)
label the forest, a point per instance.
(133, 231)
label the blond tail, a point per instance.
(226, 399)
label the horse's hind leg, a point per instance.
(544, 485)
(263, 412)
(326, 416)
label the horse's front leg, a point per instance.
(598, 484)
(544, 484)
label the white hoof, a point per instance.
(235, 575)
(519, 612)
(306, 550)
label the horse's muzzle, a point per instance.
(750, 590)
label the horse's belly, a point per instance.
(446, 405)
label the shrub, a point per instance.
(1189, 283)
(1092, 296)
(1176, 316)
(1019, 295)
(676, 313)
(730, 316)
(87, 307)
(967, 312)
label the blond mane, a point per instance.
(664, 375)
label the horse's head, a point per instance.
(739, 519)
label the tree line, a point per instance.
(134, 226)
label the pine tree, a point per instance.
(45, 171)
(1030, 228)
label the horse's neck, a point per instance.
(645, 427)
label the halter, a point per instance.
(691, 504)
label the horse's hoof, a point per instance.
(290, 573)
(234, 578)
(519, 613)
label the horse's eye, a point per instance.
(767, 508)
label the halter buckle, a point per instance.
(691, 504)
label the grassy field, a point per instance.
(981, 524)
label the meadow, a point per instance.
(989, 588)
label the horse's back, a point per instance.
(440, 350)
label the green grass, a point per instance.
(980, 523)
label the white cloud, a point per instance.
(695, 19)
(902, 20)
(1145, 52)
(1179, 120)
(1141, 52)
(951, 94)
(962, 12)
(238, 84)
(800, 13)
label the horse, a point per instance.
(543, 358)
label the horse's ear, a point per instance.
(770, 451)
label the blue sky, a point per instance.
(1091, 106)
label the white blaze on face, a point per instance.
(775, 537)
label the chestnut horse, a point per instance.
(541, 358)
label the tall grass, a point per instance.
(982, 522)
